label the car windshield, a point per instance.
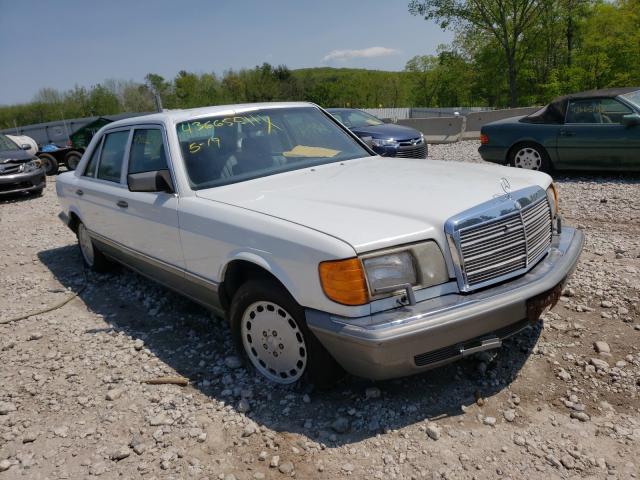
(7, 144)
(356, 118)
(221, 150)
(633, 97)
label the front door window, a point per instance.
(596, 111)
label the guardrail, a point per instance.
(475, 121)
(437, 129)
(455, 128)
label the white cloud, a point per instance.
(371, 52)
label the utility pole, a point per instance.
(158, 100)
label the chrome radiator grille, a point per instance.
(505, 245)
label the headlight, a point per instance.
(552, 197)
(420, 265)
(380, 142)
(390, 270)
(31, 165)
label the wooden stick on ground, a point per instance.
(168, 380)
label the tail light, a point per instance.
(484, 138)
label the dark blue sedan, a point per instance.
(387, 139)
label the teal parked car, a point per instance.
(594, 130)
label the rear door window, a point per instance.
(113, 148)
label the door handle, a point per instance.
(79, 192)
(566, 133)
(122, 204)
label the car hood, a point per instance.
(375, 202)
(387, 131)
(15, 156)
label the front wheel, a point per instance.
(270, 328)
(530, 156)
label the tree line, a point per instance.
(504, 53)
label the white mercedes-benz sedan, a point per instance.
(322, 256)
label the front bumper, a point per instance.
(412, 339)
(490, 153)
(415, 151)
(22, 182)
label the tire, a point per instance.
(72, 160)
(269, 327)
(49, 163)
(530, 156)
(91, 256)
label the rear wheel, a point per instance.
(49, 163)
(270, 328)
(529, 156)
(91, 256)
(72, 160)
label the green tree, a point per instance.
(507, 20)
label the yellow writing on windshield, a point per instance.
(249, 120)
(195, 147)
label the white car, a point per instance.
(320, 254)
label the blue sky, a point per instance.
(63, 43)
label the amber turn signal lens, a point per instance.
(343, 281)
(484, 139)
(556, 201)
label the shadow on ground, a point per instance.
(191, 341)
(17, 197)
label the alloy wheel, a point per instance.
(274, 342)
(528, 158)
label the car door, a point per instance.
(593, 136)
(101, 184)
(150, 219)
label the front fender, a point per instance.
(266, 261)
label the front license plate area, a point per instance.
(537, 305)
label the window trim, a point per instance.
(615, 99)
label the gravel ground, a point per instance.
(560, 400)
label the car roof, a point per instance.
(176, 116)
(601, 93)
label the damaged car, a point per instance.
(20, 172)
(323, 256)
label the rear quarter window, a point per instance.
(90, 169)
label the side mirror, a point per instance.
(25, 146)
(631, 120)
(153, 181)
